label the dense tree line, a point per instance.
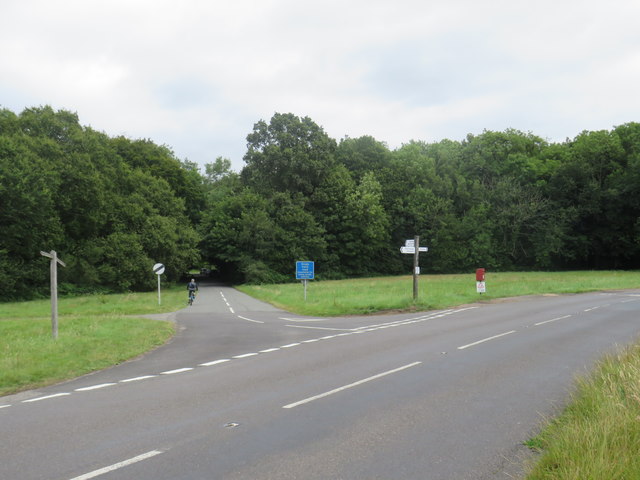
(113, 207)
(500, 200)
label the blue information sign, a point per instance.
(305, 270)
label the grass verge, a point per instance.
(94, 332)
(369, 295)
(598, 435)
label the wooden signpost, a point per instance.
(413, 247)
(54, 289)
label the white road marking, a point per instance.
(304, 319)
(486, 340)
(94, 387)
(137, 379)
(249, 320)
(46, 398)
(245, 355)
(351, 385)
(118, 465)
(290, 345)
(231, 310)
(311, 341)
(215, 362)
(552, 320)
(320, 328)
(269, 350)
(591, 309)
(177, 370)
(5, 406)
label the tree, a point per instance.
(289, 154)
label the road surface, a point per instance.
(247, 391)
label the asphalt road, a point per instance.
(246, 391)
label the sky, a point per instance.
(196, 75)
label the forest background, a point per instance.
(112, 207)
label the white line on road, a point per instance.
(320, 328)
(486, 340)
(137, 379)
(215, 362)
(290, 345)
(177, 370)
(46, 398)
(246, 355)
(552, 320)
(269, 350)
(5, 406)
(303, 319)
(351, 385)
(116, 466)
(249, 320)
(591, 309)
(94, 387)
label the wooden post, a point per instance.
(54, 289)
(416, 265)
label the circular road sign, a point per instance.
(158, 269)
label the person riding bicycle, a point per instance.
(192, 287)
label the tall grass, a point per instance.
(598, 435)
(368, 295)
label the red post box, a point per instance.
(480, 275)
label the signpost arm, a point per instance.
(416, 263)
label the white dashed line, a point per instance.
(94, 387)
(118, 465)
(269, 350)
(177, 370)
(250, 320)
(215, 362)
(486, 340)
(137, 379)
(46, 398)
(290, 345)
(246, 355)
(4, 406)
(351, 385)
(552, 320)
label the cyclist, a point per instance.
(192, 287)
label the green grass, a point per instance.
(598, 435)
(94, 332)
(369, 295)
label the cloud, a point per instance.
(196, 75)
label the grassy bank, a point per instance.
(94, 332)
(598, 435)
(368, 295)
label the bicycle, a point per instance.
(192, 296)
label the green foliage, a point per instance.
(501, 200)
(110, 207)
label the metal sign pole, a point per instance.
(158, 269)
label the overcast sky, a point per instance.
(196, 75)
